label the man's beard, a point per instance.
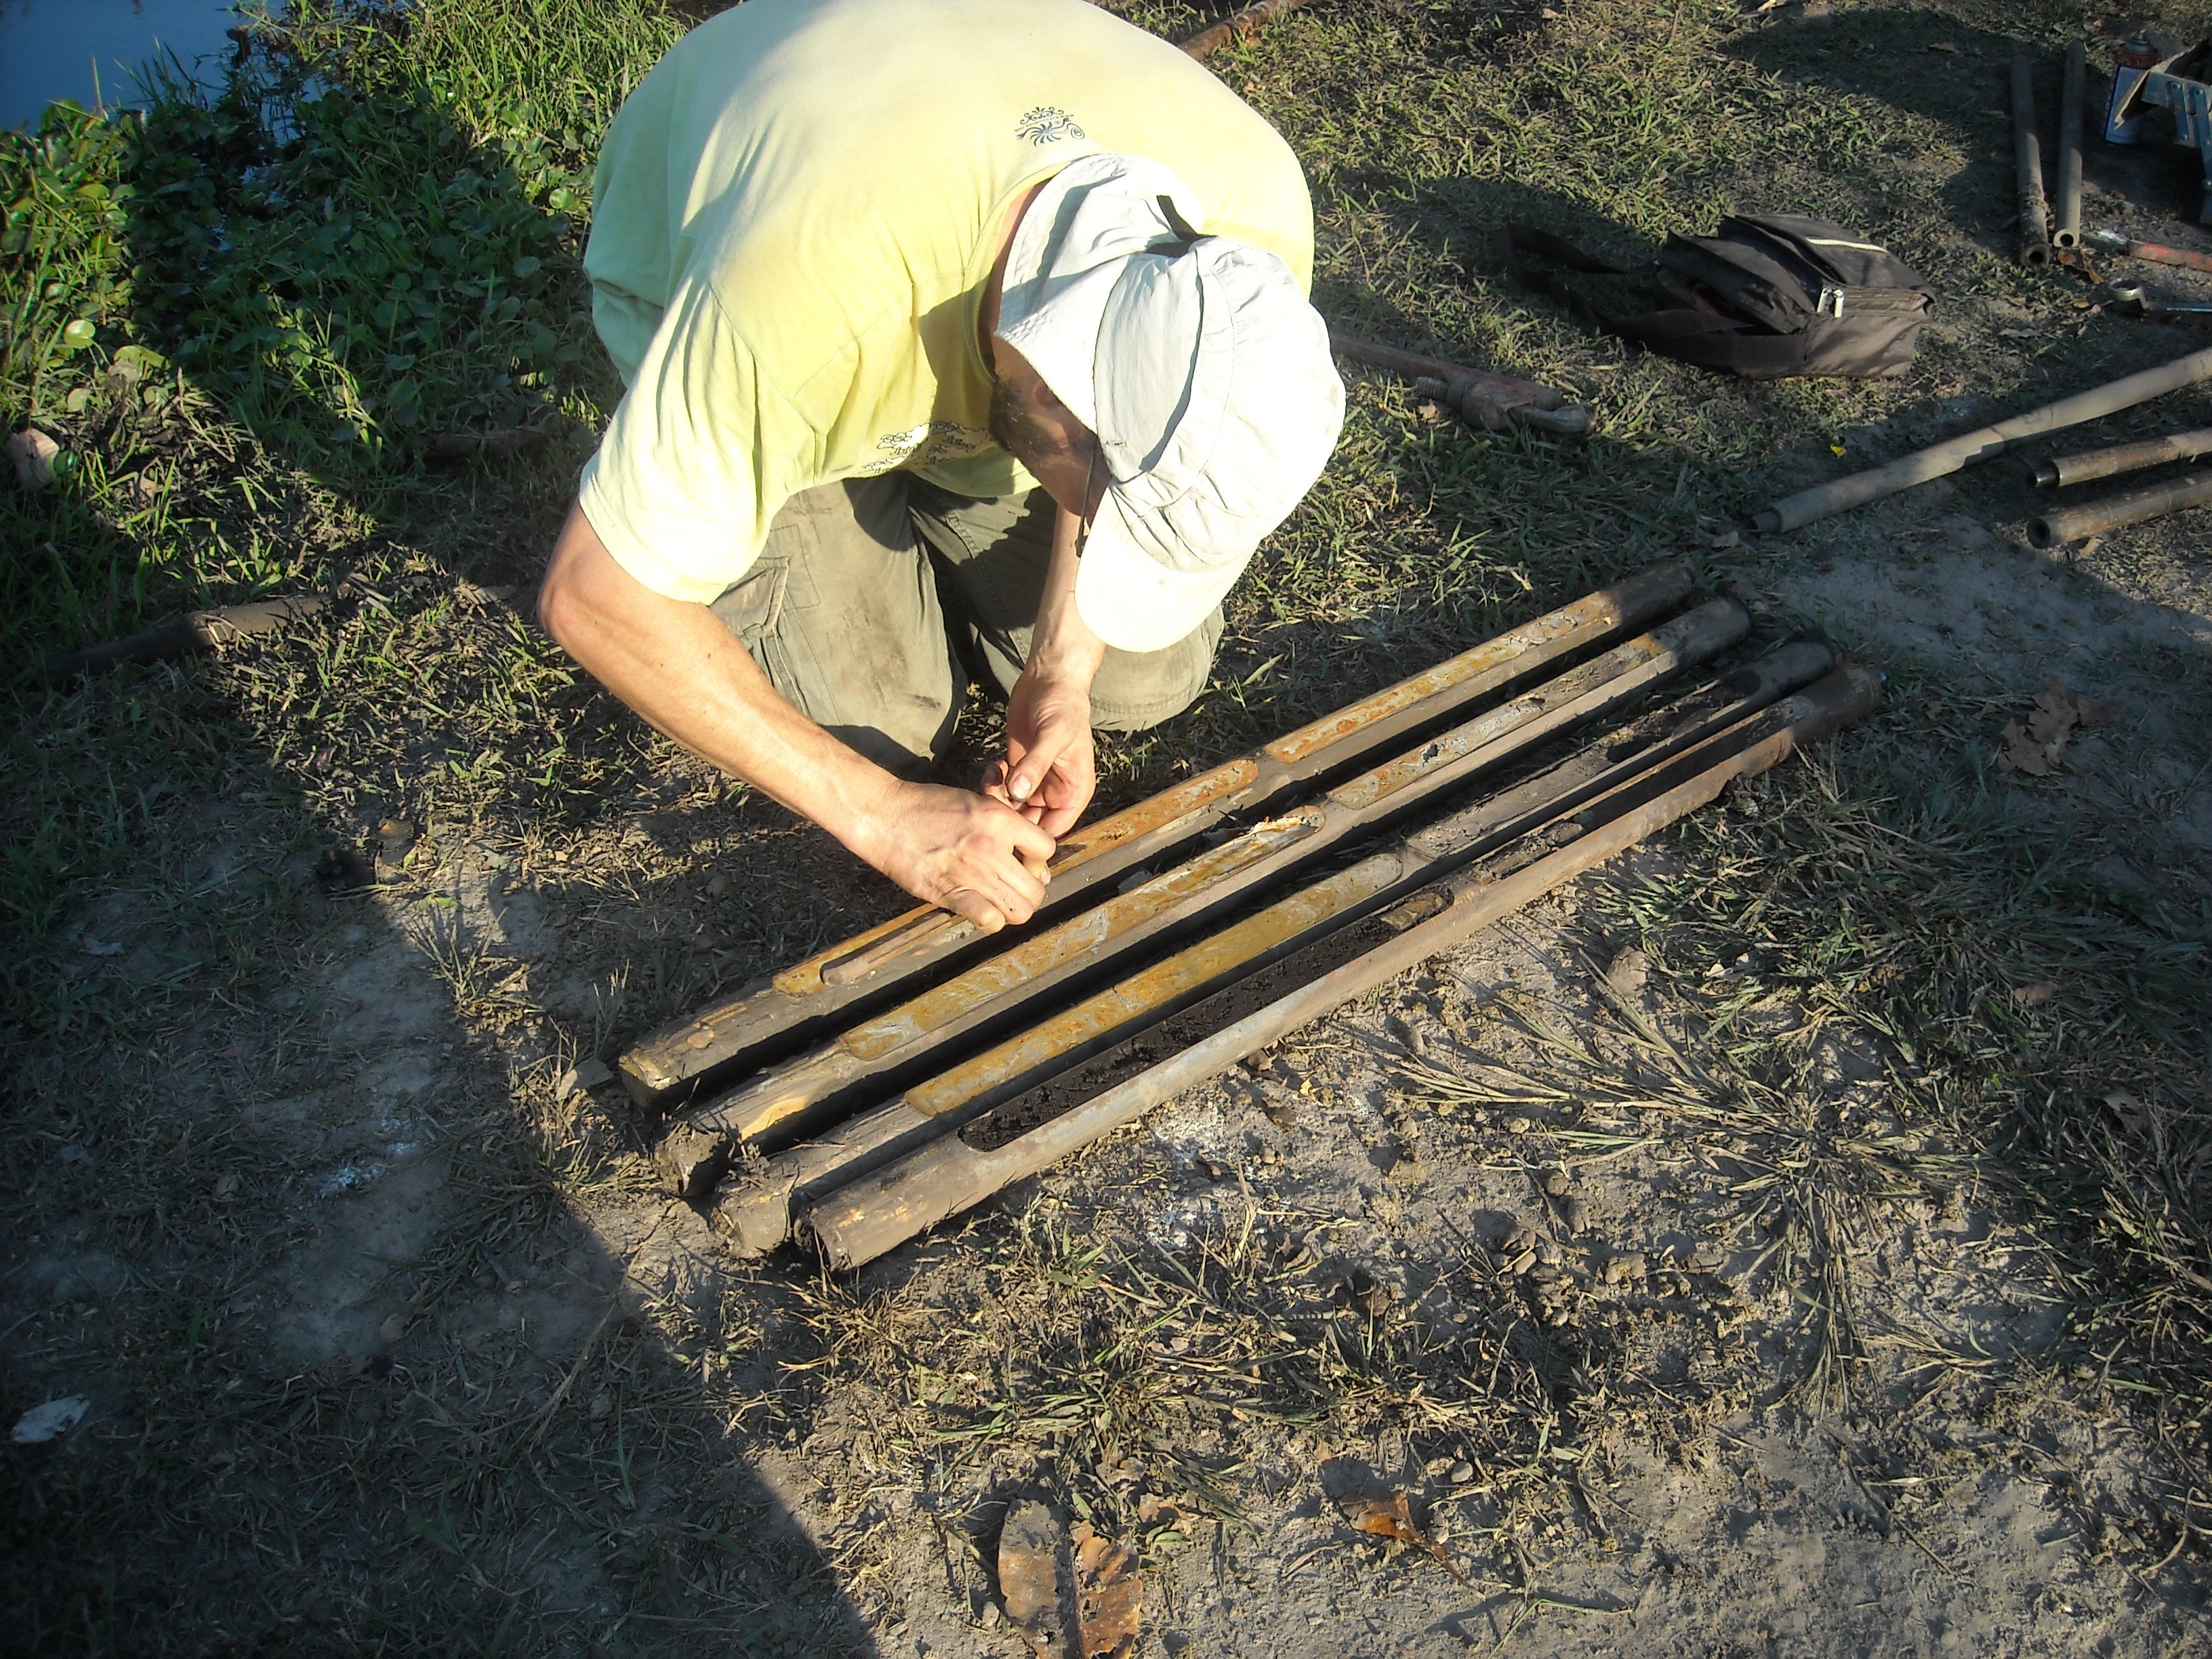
(1018, 430)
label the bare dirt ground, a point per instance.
(1715, 1275)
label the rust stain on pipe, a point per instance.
(948, 1002)
(1146, 994)
(1706, 629)
(1593, 612)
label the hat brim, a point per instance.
(1131, 600)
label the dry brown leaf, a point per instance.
(2022, 753)
(1393, 1517)
(2135, 1118)
(2034, 996)
(1029, 1577)
(32, 454)
(1151, 1508)
(2053, 718)
(1110, 1596)
(2094, 714)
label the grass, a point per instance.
(245, 315)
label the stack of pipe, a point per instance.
(2058, 527)
(892, 1082)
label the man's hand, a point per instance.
(960, 850)
(1050, 772)
(676, 665)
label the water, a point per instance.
(49, 48)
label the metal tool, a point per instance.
(1479, 397)
(2114, 241)
(2133, 299)
(2179, 85)
(1237, 26)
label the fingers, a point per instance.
(1060, 817)
(1029, 766)
(966, 901)
(1033, 846)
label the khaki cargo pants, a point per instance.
(846, 612)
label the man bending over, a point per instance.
(951, 329)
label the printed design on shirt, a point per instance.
(926, 445)
(1045, 125)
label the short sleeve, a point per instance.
(684, 485)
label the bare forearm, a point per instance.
(675, 665)
(682, 669)
(1062, 645)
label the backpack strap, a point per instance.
(1704, 338)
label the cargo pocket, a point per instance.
(753, 608)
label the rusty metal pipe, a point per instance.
(2067, 232)
(1938, 461)
(2095, 464)
(754, 1208)
(773, 1017)
(1482, 397)
(181, 636)
(871, 1059)
(2117, 512)
(860, 1221)
(1237, 26)
(2114, 241)
(2032, 247)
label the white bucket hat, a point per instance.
(1201, 367)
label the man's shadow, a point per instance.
(357, 359)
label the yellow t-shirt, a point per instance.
(795, 216)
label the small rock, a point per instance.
(1462, 1474)
(1522, 1263)
(1549, 1253)
(602, 1405)
(33, 454)
(1629, 973)
(1622, 1269)
(1576, 1211)
(226, 1185)
(391, 1330)
(1556, 1183)
(1518, 1126)
(586, 1073)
